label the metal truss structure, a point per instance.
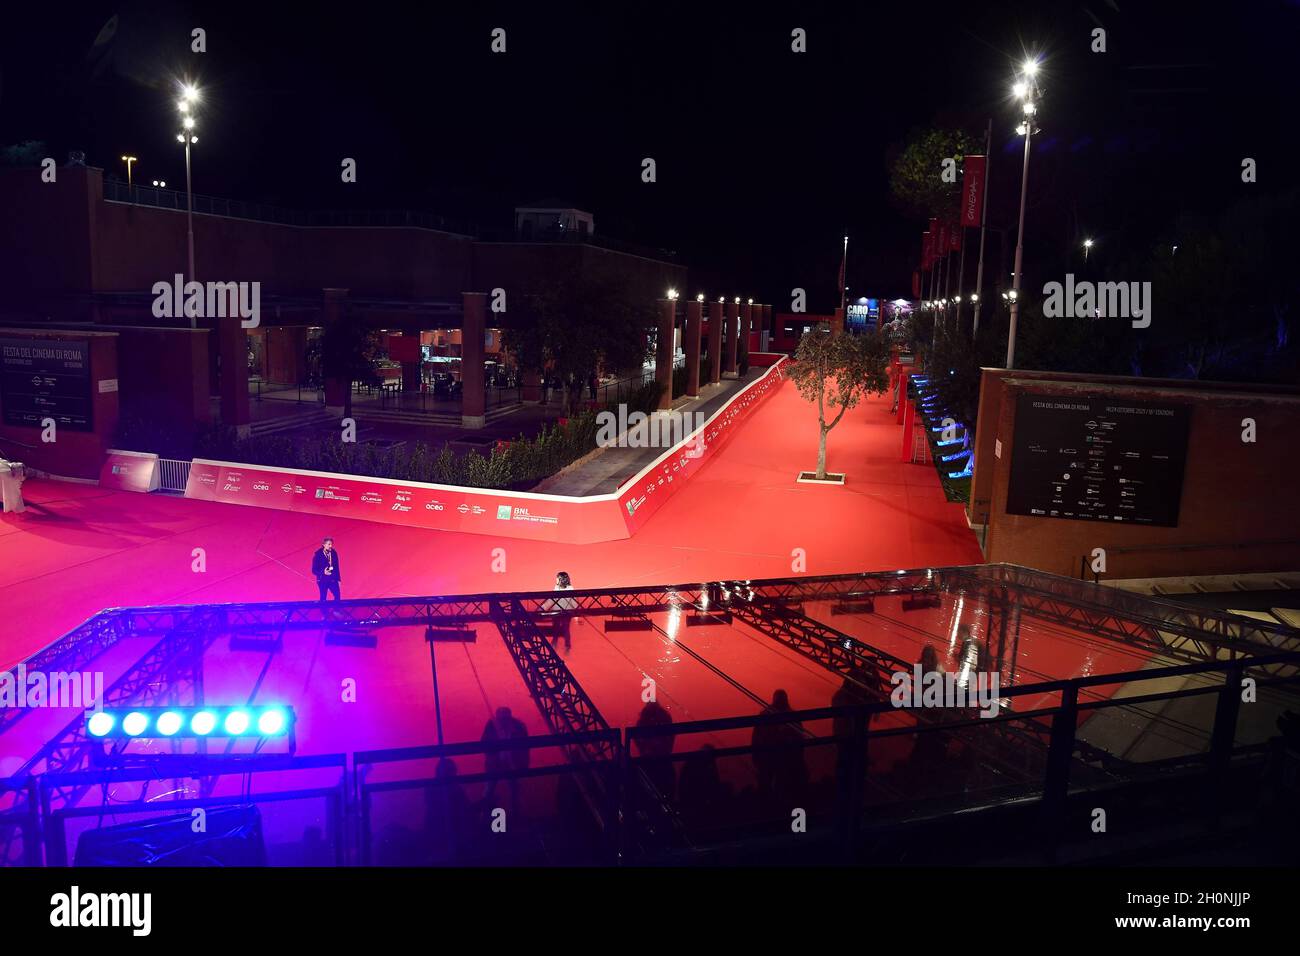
(177, 639)
(564, 704)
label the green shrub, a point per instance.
(520, 464)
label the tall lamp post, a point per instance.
(1025, 89)
(189, 96)
(129, 160)
(1087, 245)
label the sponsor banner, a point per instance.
(129, 471)
(410, 504)
(645, 494)
(954, 237)
(972, 190)
(479, 511)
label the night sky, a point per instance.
(765, 157)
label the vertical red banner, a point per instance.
(916, 285)
(972, 190)
(954, 237)
(941, 244)
(927, 249)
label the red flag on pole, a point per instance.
(954, 237)
(927, 249)
(941, 244)
(972, 190)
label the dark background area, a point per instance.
(765, 157)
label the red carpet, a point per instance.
(743, 516)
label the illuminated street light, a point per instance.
(189, 96)
(1087, 244)
(672, 293)
(1027, 90)
(700, 297)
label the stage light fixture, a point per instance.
(168, 723)
(203, 722)
(270, 723)
(100, 724)
(270, 720)
(134, 724)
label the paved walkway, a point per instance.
(604, 470)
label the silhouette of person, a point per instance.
(501, 727)
(657, 750)
(702, 796)
(778, 760)
(446, 812)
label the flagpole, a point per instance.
(984, 215)
(844, 262)
(961, 269)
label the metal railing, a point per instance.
(259, 212)
(173, 474)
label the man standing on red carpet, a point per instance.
(325, 566)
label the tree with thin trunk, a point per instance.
(347, 352)
(837, 371)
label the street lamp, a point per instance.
(1087, 244)
(189, 96)
(1025, 89)
(129, 160)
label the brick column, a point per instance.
(715, 342)
(531, 383)
(733, 337)
(664, 351)
(232, 346)
(336, 390)
(692, 346)
(472, 409)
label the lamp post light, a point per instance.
(189, 96)
(1087, 244)
(129, 160)
(1025, 89)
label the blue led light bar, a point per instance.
(162, 723)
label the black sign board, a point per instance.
(45, 378)
(1098, 459)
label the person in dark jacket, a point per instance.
(501, 727)
(778, 760)
(325, 567)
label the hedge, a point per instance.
(517, 464)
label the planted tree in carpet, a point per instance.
(836, 372)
